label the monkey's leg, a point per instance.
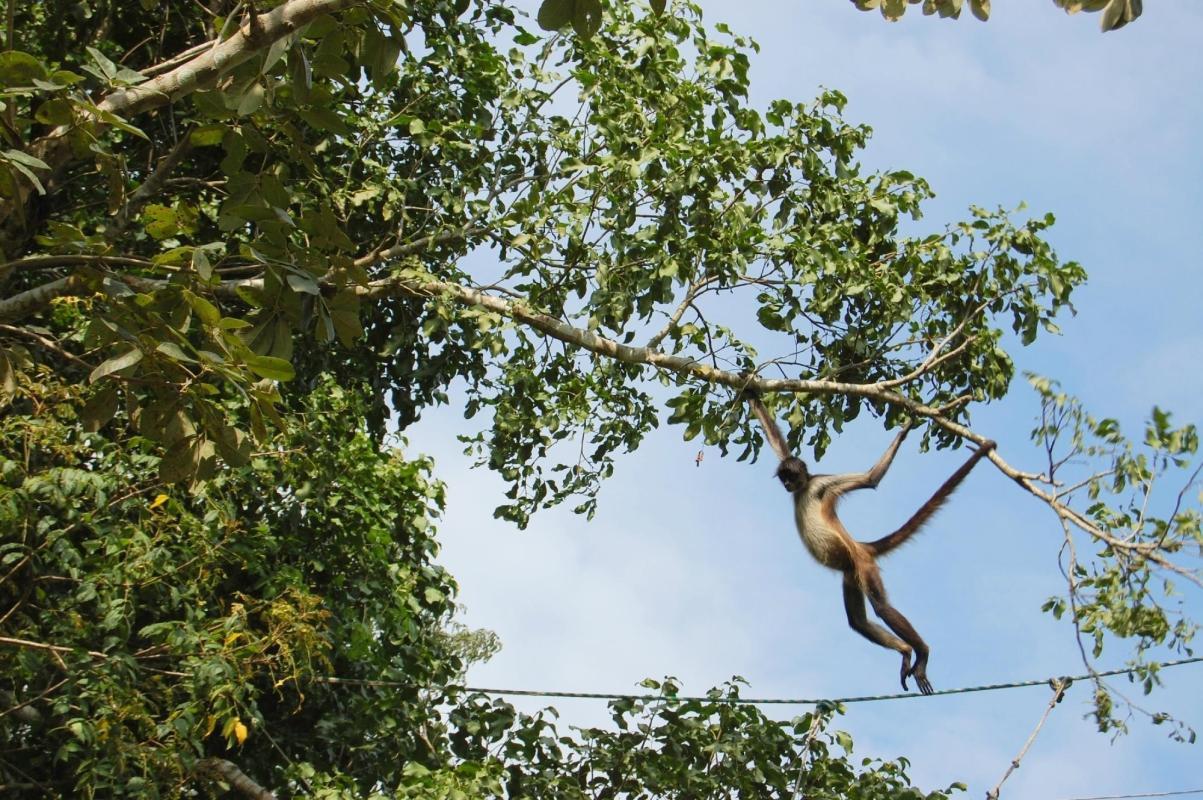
(854, 605)
(901, 626)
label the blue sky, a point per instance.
(697, 572)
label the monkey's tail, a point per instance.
(771, 432)
(909, 528)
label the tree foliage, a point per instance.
(240, 241)
(557, 14)
(1113, 14)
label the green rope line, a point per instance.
(869, 698)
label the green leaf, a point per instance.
(251, 100)
(20, 69)
(160, 221)
(106, 65)
(208, 313)
(274, 53)
(303, 284)
(233, 446)
(26, 159)
(100, 408)
(555, 14)
(324, 119)
(200, 263)
(207, 135)
(55, 111)
(110, 118)
(587, 18)
(174, 351)
(8, 379)
(33, 179)
(181, 461)
(300, 74)
(344, 314)
(270, 367)
(116, 364)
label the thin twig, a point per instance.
(25, 710)
(151, 186)
(1059, 685)
(816, 724)
(694, 291)
(46, 343)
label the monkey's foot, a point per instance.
(906, 670)
(919, 671)
(921, 680)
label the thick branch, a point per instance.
(242, 46)
(229, 772)
(30, 300)
(210, 64)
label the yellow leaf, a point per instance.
(240, 731)
(158, 501)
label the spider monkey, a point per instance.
(815, 499)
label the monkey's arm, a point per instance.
(867, 480)
(772, 433)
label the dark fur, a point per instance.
(793, 474)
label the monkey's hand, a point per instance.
(748, 392)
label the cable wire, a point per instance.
(870, 698)
(1141, 794)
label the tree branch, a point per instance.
(32, 299)
(47, 344)
(1058, 685)
(519, 311)
(592, 342)
(54, 148)
(49, 648)
(151, 186)
(221, 58)
(227, 771)
(71, 260)
(690, 297)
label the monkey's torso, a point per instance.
(819, 527)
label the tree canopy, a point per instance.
(246, 244)
(585, 15)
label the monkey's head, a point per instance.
(793, 474)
